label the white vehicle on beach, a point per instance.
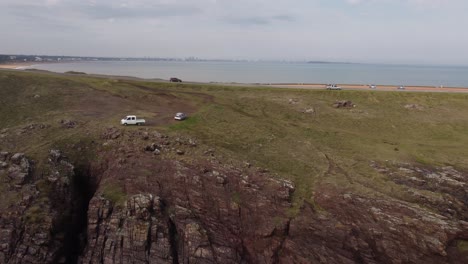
(132, 120)
(333, 87)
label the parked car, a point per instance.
(401, 87)
(174, 79)
(132, 120)
(180, 116)
(373, 86)
(333, 87)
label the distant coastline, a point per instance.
(268, 72)
(330, 62)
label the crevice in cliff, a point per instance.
(149, 236)
(16, 243)
(173, 240)
(283, 236)
(74, 225)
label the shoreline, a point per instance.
(411, 88)
(24, 65)
(16, 65)
(304, 86)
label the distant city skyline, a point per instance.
(359, 31)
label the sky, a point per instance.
(375, 31)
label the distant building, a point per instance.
(38, 59)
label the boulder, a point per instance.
(220, 180)
(343, 104)
(111, 133)
(4, 155)
(68, 123)
(293, 101)
(16, 158)
(309, 111)
(414, 107)
(55, 155)
(152, 147)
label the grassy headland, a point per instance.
(296, 134)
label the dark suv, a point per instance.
(173, 79)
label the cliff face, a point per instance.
(201, 214)
(41, 210)
(150, 198)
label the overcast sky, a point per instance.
(388, 31)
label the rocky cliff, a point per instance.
(150, 198)
(42, 211)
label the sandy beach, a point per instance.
(17, 65)
(378, 88)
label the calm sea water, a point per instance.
(275, 72)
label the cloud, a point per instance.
(312, 29)
(52, 2)
(424, 3)
(258, 20)
(100, 11)
(354, 2)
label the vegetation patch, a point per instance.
(236, 198)
(35, 214)
(75, 72)
(187, 124)
(462, 245)
(114, 193)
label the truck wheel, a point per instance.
(125, 124)
(138, 124)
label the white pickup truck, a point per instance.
(333, 87)
(132, 120)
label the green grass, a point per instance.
(236, 198)
(258, 125)
(35, 215)
(462, 245)
(75, 72)
(186, 124)
(114, 193)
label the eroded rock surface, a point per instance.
(31, 223)
(194, 208)
(190, 214)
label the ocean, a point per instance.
(274, 72)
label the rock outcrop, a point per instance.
(343, 103)
(189, 214)
(37, 208)
(193, 208)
